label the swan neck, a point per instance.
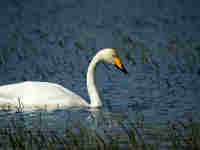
(92, 90)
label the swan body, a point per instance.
(34, 93)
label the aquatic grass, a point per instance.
(19, 46)
(136, 51)
(184, 135)
(138, 136)
(184, 55)
(42, 34)
(135, 131)
(61, 43)
(5, 54)
(123, 42)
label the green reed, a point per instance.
(134, 135)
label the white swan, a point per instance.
(33, 93)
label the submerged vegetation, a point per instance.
(175, 55)
(180, 55)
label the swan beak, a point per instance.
(119, 65)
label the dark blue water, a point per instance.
(54, 41)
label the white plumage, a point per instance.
(33, 93)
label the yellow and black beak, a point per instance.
(119, 65)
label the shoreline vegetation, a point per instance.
(133, 134)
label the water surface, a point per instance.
(54, 41)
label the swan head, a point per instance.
(109, 55)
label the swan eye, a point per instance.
(113, 58)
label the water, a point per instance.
(54, 41)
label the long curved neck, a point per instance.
(92, 90)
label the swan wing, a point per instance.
(39, 93)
